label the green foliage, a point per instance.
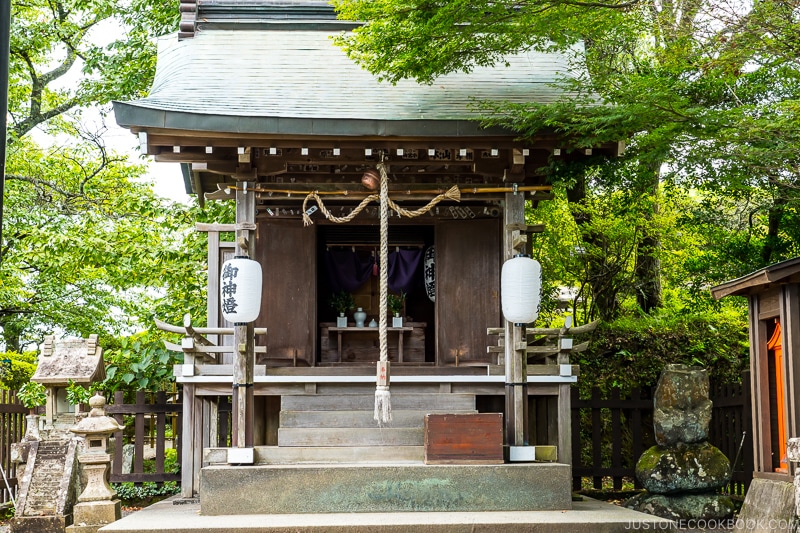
(16, 369)
(86, 242)
(32, 394)
(145, 493)
(171, 463)
(49, 37)
(87, 246)
(139, 362)
(77, 394)
(423, 40)
(7, 513)
(342, 301)
(632, 352)
(396, 301)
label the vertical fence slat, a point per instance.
(138, 426)
(12, 428)
(161, 430)
(597, 439)
(116, 465)
(616, 438)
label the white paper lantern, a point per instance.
(520, 289)
(240, 290)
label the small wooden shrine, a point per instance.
(71, 360)
(773, 295)
(259, 107)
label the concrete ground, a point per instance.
(589, 516)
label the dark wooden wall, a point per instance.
(287, 253)
(468, 261)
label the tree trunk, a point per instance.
(647, 270)
(774, 219)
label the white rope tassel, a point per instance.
(383, 399)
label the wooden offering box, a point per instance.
(464, 438)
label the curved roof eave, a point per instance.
(134, 115)
(758, 280)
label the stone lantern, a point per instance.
(97, 505)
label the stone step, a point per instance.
(303, 455)
(590, 516)
(47, 471)
(49, 467)
(40, 505)
(356, 419)
(366, 402)
(350, 437)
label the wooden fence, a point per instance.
(150, 430)
(610, 434)
(12, 429)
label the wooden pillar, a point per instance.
(243, 338)
(188, 467)
(516, 359)
(762, 442)
(564, 407)
(790, 321)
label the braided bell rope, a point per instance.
(383, 403)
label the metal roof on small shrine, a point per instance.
(279, 80)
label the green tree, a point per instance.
(87, 247)
(53, 40)
(705, 93)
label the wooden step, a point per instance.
(350, 437)
(357, 419)
(360, 402)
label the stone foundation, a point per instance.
(277, 489)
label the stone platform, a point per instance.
(587, 515)
(370, 488)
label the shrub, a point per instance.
(144, 494)
(16, 369)
(632, 352)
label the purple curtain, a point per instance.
(347, 271)
(403, 267)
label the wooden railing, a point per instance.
(610, 433)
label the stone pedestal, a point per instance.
(96, 505)
(88, 517)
